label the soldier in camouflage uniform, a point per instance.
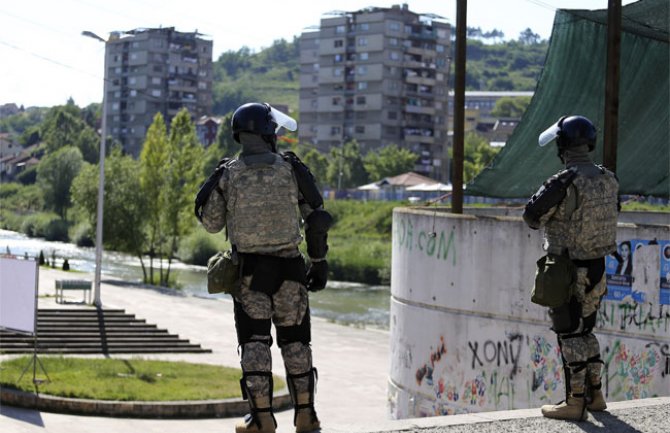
(259, 199)
(578, 208)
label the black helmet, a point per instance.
(254, 118)
(570, 132)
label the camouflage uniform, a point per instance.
(582, 226)
(259, 201)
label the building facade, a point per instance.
(379, 76)
(150, 71)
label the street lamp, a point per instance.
(101, 183)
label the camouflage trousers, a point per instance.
(581, 353)
(287, 307)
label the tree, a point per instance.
(63, 127)
(511, 106)
(477, 155)
(389, 161)
(124, 211)
(317, 164)
(346, 169)
(153, 179)
(55, 175)
(527, 37)
(184, 171)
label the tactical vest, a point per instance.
(590, 231)
(262, 206)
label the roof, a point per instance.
(573, 82)
(402, 180)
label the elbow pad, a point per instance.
(317, 225)
(550, 194)
(305, 180)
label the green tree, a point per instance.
(55, 175)
(317, 164)
(153, 179)
(124, 211)
(478, 154)
(511, 106)
(63, 127)
(389, 161)
(184, 172)
(346, 168)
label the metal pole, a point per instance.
(459, 107)
(611, 130)
(101, 182)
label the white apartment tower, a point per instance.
(150, 71)
(379, 76)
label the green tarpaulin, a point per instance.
(573, 82)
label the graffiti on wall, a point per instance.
(502, 374)
(634, 316)
(439, 245)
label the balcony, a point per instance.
(419, 110)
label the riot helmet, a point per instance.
(261, 119)
(570, 132)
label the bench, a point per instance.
(63, 285)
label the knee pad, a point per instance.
(247, 327)
(299, 333)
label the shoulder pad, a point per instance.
(305, 179)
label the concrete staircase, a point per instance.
(93, 331)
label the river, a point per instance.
(347, 303)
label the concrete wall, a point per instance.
(466, 338)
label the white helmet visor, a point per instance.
(282, 120)
(549, 135)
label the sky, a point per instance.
(45, 60)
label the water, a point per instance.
(347, 303)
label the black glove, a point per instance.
(317, 276)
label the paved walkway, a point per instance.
(353, 368)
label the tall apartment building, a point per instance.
(150, 71)
(379, 76)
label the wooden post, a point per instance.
(611, 129)
(459, 106)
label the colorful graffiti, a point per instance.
(440, 245)
(529, 365)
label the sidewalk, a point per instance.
(353, 368)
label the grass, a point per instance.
(127, 379)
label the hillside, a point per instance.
(273, 74)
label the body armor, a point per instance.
(590, 231)
(262, 206)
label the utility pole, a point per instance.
(611, 130)
(459, 107)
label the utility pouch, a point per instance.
(223, 273)
(554, 281)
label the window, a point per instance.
(360, 100)
(394, 26)
(335, 130)
(117, 70)
(337, 100)
(362, 85)
(338, 58)
(364, 27)
(393, 42)
(115, 106)
(202, 85)
(133, 93)
(155, 80)
(359, 129)
(340, 29)
(364, 56)
(392, 115)
(337, 72)
(442, 33)
(394, 55)
(133, 56)
(362, 70)
(439, 48)
(338, 43)
(156, 92)
(132, 80)
(362, 41)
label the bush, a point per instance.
(10, 220)
(199, 246)
(82, 235)
(56, 230)
(40, 225)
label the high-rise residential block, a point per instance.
(379, 76)
(150, 71)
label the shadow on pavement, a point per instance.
(30, 416)
(610, 424)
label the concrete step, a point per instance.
(95, 331)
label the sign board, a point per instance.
(18, 294)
